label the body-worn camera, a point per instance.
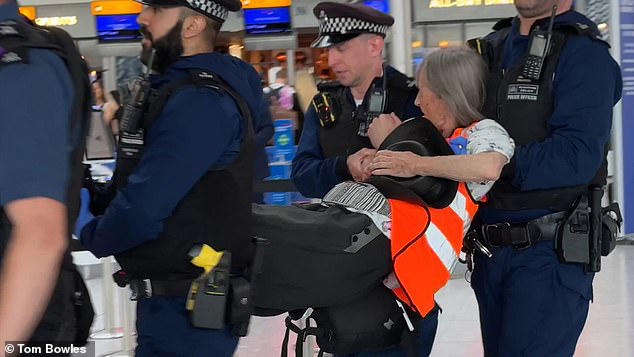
(326, 107)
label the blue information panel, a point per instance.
(267, 20)
(627, 66)
(115, 28)
(381, 5)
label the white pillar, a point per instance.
(290, 66)
(107, 285)
(401, 39)
(109, 76)
(617, 123)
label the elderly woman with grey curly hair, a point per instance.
(451, 94)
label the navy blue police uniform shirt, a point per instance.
(35, 104)
(587, 84)
(312, 173)
(198, 129)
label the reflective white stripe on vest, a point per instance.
(459, 206)
(441, 246)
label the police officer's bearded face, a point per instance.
(161, 29)
(536, 8)
(355, 60)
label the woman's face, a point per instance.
(97, 92)
(435, 108)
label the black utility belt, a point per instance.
(147, 288)
(521, 235)
(214, 300)
(582, 235)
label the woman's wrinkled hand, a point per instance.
(395, 163)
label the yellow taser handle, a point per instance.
(205, 257)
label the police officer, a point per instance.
(191, 181)
(334, 145)
(43, 117)
(557, 105)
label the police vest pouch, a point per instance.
(316, 256)
(240, 306)
(611, 225)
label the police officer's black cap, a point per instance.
(215, 9)
(421, 137)
(341, 22)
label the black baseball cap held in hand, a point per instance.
(342, 22)
(215, 9)
(421, 137)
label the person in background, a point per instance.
(280, 92)
(98, 96)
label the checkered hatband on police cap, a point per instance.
(210, 7)
(345, 25)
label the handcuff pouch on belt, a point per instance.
(573, 234)
(588, 231)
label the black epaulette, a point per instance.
(326, 86)
(581, 29)
(398, 80)
(12, 35)
(507, 22)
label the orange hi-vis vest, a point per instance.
(426, 244)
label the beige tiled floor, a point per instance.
(609, 331)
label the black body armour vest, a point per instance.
(216, 211)
(16, 38)
(341, 138)
(523, 107)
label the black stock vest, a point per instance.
(342, 138)
(16, 38)
(216, 211)
(523, 107)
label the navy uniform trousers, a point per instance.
(424, 340)
(530, 303)
(163, 329)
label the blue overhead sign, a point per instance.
(267, 20)
(112, 28)
(381, 5)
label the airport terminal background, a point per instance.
(276, 34)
